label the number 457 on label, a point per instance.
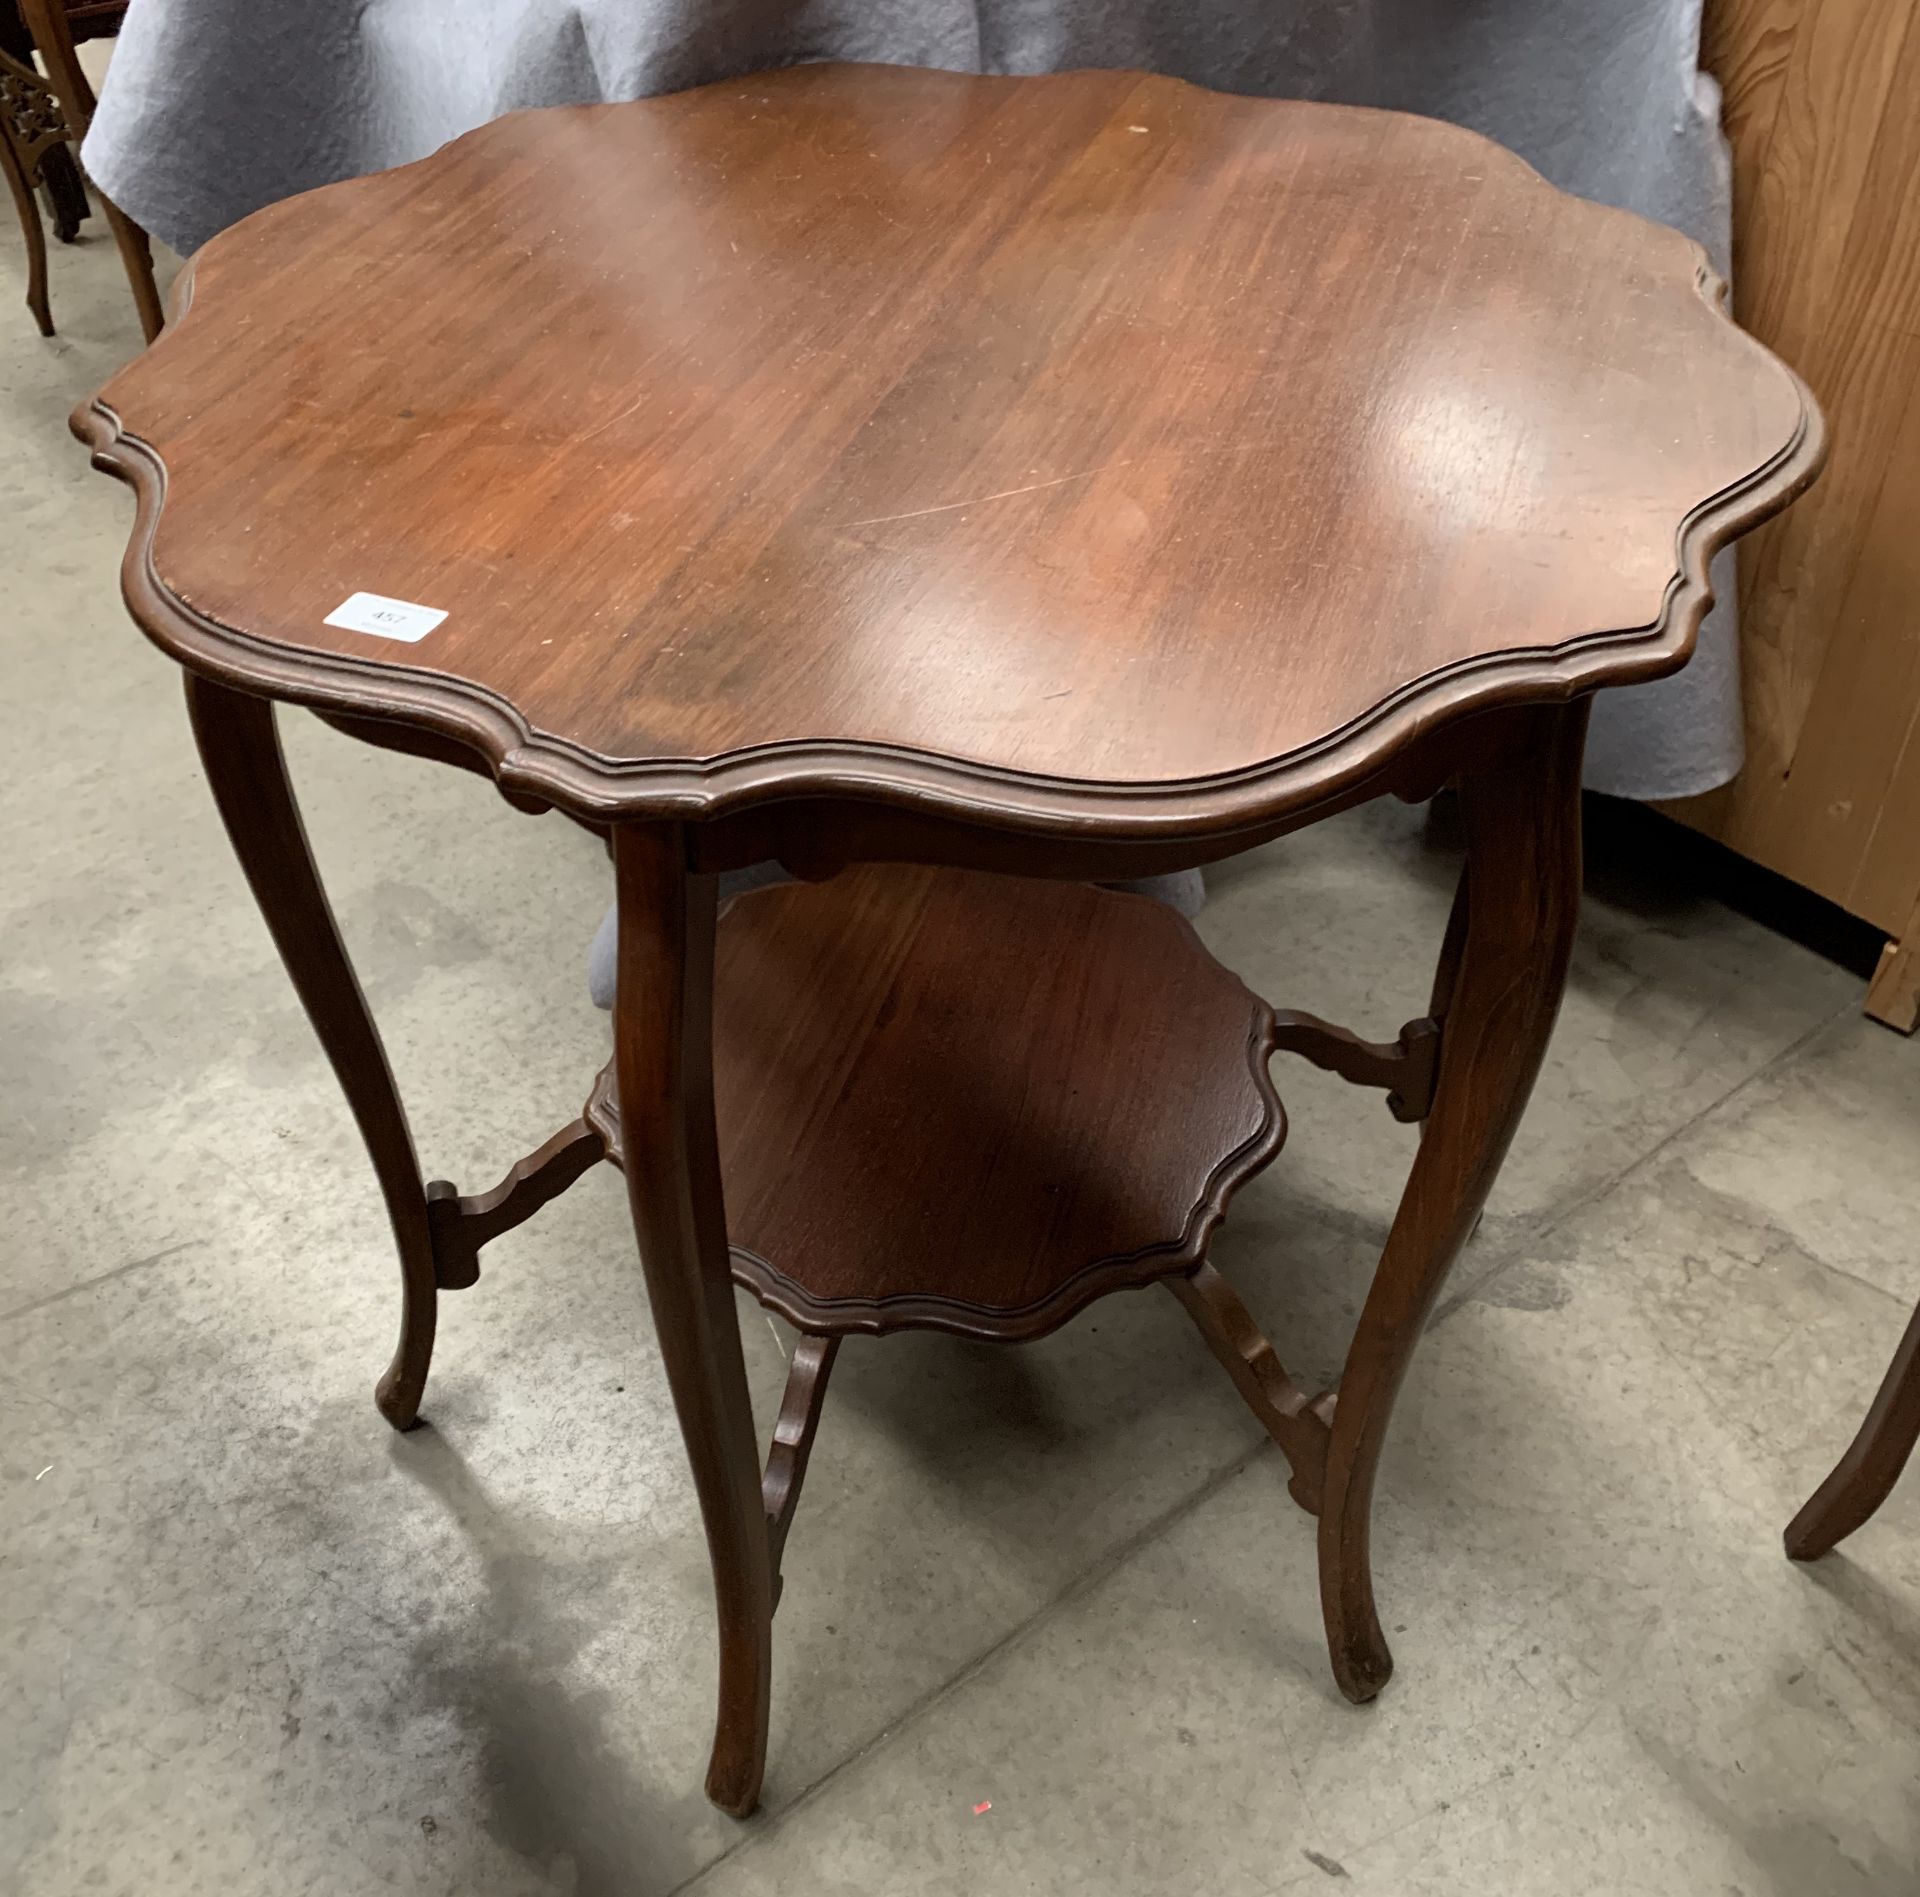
(385, 618)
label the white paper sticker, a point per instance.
(385, 618)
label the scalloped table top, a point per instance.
(1091, 430)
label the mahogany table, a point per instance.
(961, 491)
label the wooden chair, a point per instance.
(40, 122)
(1863, 1478)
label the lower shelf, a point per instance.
(973, 1103)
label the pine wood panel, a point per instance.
(1820, 111)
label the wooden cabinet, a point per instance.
(1823, 112)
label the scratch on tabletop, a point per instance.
(980, 500)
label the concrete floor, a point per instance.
(255, 1642)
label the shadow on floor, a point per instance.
(557, 1789)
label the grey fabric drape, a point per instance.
(215, 107)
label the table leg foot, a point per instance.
(1863, 1478)
(247, 772)
(403, 1384)
(1362, 1661)
(1508, 951)
(663, 1055)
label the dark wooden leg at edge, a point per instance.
(1502, 975)
(240, 751)
(663, 1053)
(1863, 1478)
(21, 186)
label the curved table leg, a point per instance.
(1446, 971)
(1515, 937)
(1863, 1478)
(240, 750)
(663, 1058)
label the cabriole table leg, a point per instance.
(1515, 937)
(1863, 1478)
(240, 750)
(663, 1056)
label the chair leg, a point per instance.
(22, 188)
(67, 205)
(136, 254)
(663, 1058)
(1864, 1477)
(1515, 939)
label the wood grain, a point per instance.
(973, 1103)
(1820, 110)
(1092, 429)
